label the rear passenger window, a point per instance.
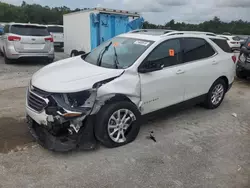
(167, 53)
(222, 44)
(195, 49)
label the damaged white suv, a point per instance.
(103, 94)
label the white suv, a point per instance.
(103, 95)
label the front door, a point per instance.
(164, 87)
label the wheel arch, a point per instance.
(225, 79)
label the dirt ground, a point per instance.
(195, 147)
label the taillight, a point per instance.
(49, 39)
(234, 58)
(14, 38)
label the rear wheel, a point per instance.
(74, 53)
(216, 94)
(118, 124)
(50, 60)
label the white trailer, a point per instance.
(85, 30)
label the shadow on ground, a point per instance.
(13, 134)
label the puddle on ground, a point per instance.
(14, 135)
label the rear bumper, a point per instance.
(58, 44)
(243, 66)
(11, 53)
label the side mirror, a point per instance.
(150, 67)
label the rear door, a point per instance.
(200, 66)
(30, 38)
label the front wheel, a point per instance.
(216, 94)
(117, 124)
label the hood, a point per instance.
(71, 75)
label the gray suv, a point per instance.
(26, 41)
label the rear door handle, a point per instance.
(180, 72)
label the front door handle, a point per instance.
(180, 72)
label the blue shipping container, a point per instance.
(105, 26)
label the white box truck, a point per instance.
(85, 30)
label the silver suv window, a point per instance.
(29, 30)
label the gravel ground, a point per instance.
(195, 147)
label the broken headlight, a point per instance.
(77, 99)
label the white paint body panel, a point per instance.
(71, 75)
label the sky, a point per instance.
(162, 11)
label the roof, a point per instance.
(54, 25)
(170, 34)
(107, 11)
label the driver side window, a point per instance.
(165, 54)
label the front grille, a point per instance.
(35, 102)
(40, 92)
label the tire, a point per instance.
(209, 104)
(74, 53)
(6, 60)
(50, 61)
(103, 130)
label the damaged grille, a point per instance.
(35, 102)
(40, 92)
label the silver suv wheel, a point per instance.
(119, 125)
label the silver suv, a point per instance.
(26, 41)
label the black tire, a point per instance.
(50, 61)
(74, 53)
(102, 119)
(208, 101)
(6, 60)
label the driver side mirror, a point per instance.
(150, 66)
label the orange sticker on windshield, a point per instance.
(115, 44)
(171, 52)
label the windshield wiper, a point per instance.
(99, 59)
(116, 62)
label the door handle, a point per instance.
(180, 72)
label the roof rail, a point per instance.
(188, 32)
(164, 31)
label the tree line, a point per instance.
(35, 13)
(215, 25)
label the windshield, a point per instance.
(55, 29)
(29, 30)
(124, 51)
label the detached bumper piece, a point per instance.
(83, 140)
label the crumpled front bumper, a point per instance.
(84, 139)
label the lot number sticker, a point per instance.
(171, 52)
(143, 43)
